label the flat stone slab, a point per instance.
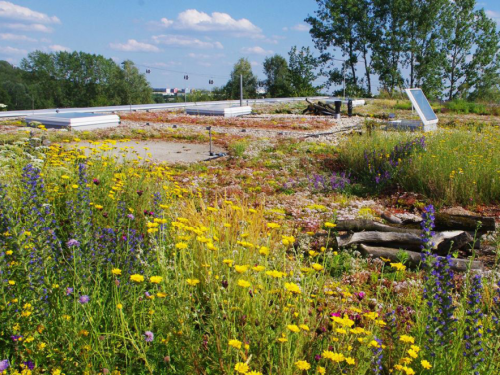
(172, 152)
(75, 121)
(224, 111)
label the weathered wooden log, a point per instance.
(407, 241)
(359, 225)
(391, 218)
(414, 259)
(444, 242)
(445, 221)
(452, 240)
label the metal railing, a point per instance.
(146, 107)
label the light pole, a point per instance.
(186, 77)
(241, 90)
(127, 83)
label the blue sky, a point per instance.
(193, 36)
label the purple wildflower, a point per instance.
(69, 291)
(29, 364)
(149, 336)
(84, 299)
(73, 243)
(4, 365)
(131, 217)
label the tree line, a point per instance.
(284, 78)
(449, 48)
(71, 79)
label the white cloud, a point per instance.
(133, 45)
(17, 12)
(17, 37)
(198, 55)
(59, 48)
(12, 51)
(204, 63)
(256, 51)
(193, 19)
(495, 16)
(185, 41)
(37, 27)
(168, 64)
(255, 63)
(298, 27)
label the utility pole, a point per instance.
(128, 88)
(186, 77)
(241, 90)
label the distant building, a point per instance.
(170, 92)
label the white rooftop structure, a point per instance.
(428, 119)
(220, 110)
(75, 121)
(355, 102)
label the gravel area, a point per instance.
(328, 135)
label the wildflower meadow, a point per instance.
(114, 265)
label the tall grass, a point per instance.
(456, 165)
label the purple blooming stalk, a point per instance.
(438, 288)
(149, 336)
(377, 358)
(473, 336)
(84, 299)
(495, 313)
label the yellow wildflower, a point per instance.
(193, 282)
(137, 278)
(293, 328)
(425, 364)
(244, 283)
(155, 279)
(303, 365)
(116, 271)
(241, 368)
(235, 343)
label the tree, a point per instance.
(424, 52)
(472, 45)
(278, 77)
(391, 41)
(483, 70)
(232, 88)
(69, 79)
(136, 87)
(302, 66)
(346, 25)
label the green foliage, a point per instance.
(232, 88)
(345, 25)
(278, 80)
(463, 106)
(71, 79)
(302, 65)
(448, 48)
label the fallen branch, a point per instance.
(470, 223)
(444, 242)
(415, 259)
